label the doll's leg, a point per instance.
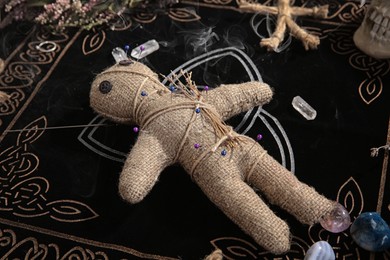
(244, 207)
(282, 188)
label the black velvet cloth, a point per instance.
(58, 178)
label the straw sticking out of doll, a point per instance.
(190, 90)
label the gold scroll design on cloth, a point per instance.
(347, 18)
(346, 13)
(375, 70)
(9, 106)
(22, 193)
(237, 248)
(25, 69)
(227, 4)
(349, 195)
(15, 245)
(95, 39)
(30, 248)
(177, 14)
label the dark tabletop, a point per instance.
(58, 178)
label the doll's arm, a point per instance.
(232, 99)
(142, 168)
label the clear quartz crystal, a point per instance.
(119, 54)
(304, 108)
(145, 49)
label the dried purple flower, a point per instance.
(59, 14)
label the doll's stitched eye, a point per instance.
(105, 87)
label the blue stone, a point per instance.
(321, 250)
(371, 232)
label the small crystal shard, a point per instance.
(321, 250)
(304, 108)
(119, 54)
(336, 221)
(145, 49)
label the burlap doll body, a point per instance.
(186, 127)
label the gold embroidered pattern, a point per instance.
(24, 194)
(345, 19)
(93, 41)
(374, 70)
(237, 248)
(19, 241)
(26, 71)
(32, 249)
(22, 71)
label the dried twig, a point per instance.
(375, 150)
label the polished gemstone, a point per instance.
(321, 250)
(337, 221)
(371, 232)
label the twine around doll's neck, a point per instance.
(137, 107)
(137, 94)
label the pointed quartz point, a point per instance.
(145, 49)
(304, 108)
(119, 54)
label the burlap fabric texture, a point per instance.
(186, 127)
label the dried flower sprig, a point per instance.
(74, 13)
(60, 14)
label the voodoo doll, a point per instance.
(180, 124)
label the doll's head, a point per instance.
(114, 92)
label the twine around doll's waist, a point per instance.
(213, 148)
